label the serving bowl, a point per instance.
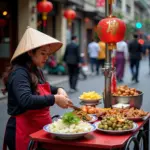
(68, 136)
(134, 101)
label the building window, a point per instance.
(118, 3)
(128, 9)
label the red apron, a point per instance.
(32, 120)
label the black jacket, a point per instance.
(72, 54)
(135, 50)
(21, 96)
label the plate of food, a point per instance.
(138, 118)
(85, 117)
(91, 97)
(113, 125)
(90, 109)
(69, 127)
(135, 114)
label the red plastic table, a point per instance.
(95, 140)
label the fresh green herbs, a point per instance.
(70, 118)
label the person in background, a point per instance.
(83, 64)
(135, 55)
(148, 52)
(29, 95)
(101, 55)
(121, 55)
(93, 50)
(72, 59)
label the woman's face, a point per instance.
(40, 56)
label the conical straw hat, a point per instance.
(34, 39)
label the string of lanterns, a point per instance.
(45, 7)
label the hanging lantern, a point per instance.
(2, 22)
(44, 7)
(111, 30)
(69, 14)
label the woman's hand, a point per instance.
(61, 91)
(62, 101)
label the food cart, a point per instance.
(98, 140)
(94, 140)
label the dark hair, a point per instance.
(73, 37)
(135, 36)
(22, 60)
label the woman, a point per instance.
(101, 55)
(121, 57)
(29, 95)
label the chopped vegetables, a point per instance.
(70, 118)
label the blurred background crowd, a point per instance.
(80, 29)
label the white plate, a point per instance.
(90, 102)
(135, 126)
(94, 118)
(68, 136)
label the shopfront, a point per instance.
(8, 31)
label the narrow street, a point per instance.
(94, 83)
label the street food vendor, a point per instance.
(29, 95)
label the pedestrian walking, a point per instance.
(148, 51)
(29, 95)
(121, 55)
(93, 50)
(72, 59)
(135, 55)
(83, 66)
(101, 55)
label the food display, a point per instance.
(124, 90)
(89, 109)
(115, 123)
(134, 113)
(118, 119)
(124, 112)
(91, 95)
(70, 123)
(82, 115)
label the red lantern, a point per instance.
(2, 22)
(111, 30)
(69, 14)
(44, 6)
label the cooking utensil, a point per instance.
(76, 108)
